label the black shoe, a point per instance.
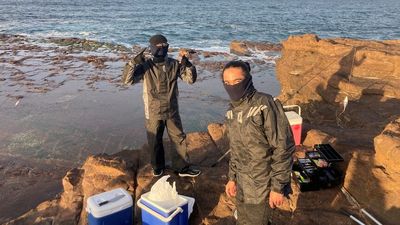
(189, 172)
(158, 172)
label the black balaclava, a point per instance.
(240, 90)
(158, 53)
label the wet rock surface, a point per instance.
(43, 65)
(26, 182)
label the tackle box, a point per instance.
(317, 170)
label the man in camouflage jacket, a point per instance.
(160, 76)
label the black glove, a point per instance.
(139, 59)
(185, 61)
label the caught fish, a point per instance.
(345, 103)
(17, 102)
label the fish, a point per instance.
(345, 103)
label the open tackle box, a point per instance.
(318, 170)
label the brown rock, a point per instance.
(201, 148)
(239, 48)
(71, 180)
(318, 137)
(374, 187)
(387, 147)
(98, 174)
(319, 74)
(130, 170)
(217, 133)
(225, 207)
(103, 173)
(245, 48)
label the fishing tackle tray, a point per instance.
(309, 175)
(328, 153)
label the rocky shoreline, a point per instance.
(130, 170)
(53, 92)
(317, 74)
(43, 65)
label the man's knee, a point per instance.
(175, 130)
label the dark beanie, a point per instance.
(158, 39)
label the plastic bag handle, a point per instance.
(158, 216)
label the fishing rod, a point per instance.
(355, 203)
(352, 51)
(221, 158)
(344, 212)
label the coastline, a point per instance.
(312, 72)
(62, 101)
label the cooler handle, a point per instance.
(158, 216)
(293, 106)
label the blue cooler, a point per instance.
(165, 213)
(110, 208)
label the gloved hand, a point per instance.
(185, 61)
(139, 58)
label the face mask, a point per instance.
(240, 90)
(159, 52)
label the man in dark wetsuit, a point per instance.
(261, 144)
(160, 76)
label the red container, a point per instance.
(296, 123)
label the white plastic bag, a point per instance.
(190, 204)
(162, 191)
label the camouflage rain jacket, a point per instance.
(262, 145)
(160, 86)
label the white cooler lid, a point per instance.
(164, 206)
(294, 118)
(109, 202)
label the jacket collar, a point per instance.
(166, 64)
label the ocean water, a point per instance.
(204, 24)
(78, 118)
